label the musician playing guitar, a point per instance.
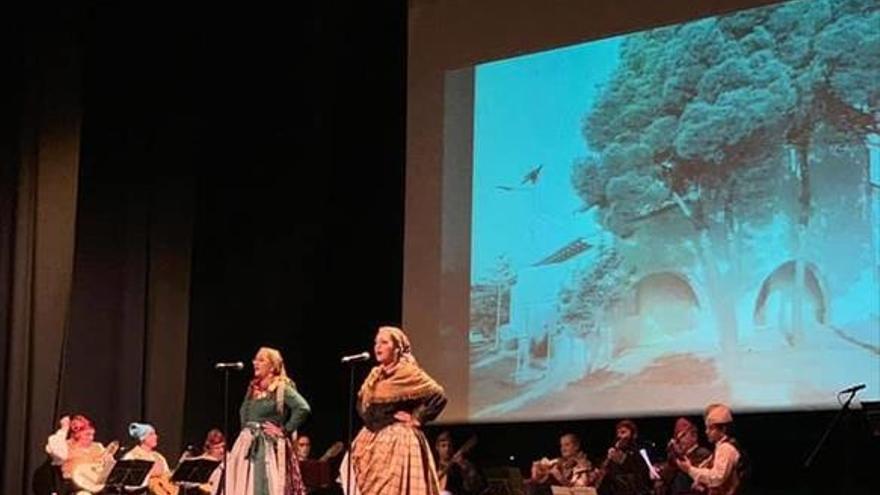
(721, 474)
(73, 448)
(684, 444)
(158, 481)
(571, 469)
(457, 475)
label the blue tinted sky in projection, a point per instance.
(528, 113)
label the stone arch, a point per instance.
(675, 281)
(663, 304)
(782, 276)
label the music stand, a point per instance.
(127, 473)
(316, 474)
(194, 471)
(504, 480)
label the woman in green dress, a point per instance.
(263, 459)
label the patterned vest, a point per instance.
(731, 484)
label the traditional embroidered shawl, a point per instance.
(403, 381)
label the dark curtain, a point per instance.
(8, 183)
(95, 234)
(42, 272)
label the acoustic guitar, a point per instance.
(90, 474)
(459, 454)
(162, 485)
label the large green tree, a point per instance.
(694, 115)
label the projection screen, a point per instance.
(605, 224)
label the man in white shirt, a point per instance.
(720, 476)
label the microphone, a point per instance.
(354, 358)
(853, 389)
(238, 365)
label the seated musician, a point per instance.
(571, 468)
(214, 448)
(72, 446)
(684, 443)
(721, 474)
(148, 440)
(303, 447)
(316, 471)
(625, 472)
(458, 476)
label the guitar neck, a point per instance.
(464, 449)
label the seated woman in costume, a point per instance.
(145, 450)
(82, 460)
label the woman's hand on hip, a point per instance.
(273, 430)
(406, 418)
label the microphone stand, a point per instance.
(351, 394)
(837, 417)
(221, 490)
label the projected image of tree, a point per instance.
(712, 234)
